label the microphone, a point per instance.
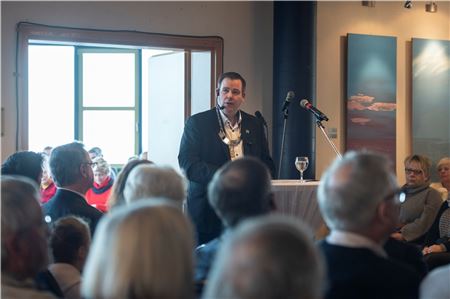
(290, 95)
(317, 113)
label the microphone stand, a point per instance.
(285, 113)
(322, 128)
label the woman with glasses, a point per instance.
(98, 195)
(421, 204)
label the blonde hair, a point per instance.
(425, 163)
(154, 181)
(142, 250)
(442, 162)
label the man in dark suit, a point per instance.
(358, 198)
(71, 168)
(239, 190)
(211, 139)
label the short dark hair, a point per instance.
(240, 189)
(96, 151)
(232, 76)
(65, 162)
(26, 163)
(68, 234)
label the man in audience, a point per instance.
(24, 239)
(267, 257)
(26, 163)
(239, 190)
(72, 172)
(358, 198)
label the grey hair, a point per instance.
(352, 188)
(65, 161)
(20, 200)
(101, 166)
(147, 180)
(143, 250)
(267, 257)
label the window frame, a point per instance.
(32, 32)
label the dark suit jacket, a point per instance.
(359, 273)
(202, 152)
(65, 203)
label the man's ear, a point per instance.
(83, 170)
(217, 92)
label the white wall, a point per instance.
(246, 28)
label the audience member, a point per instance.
(437, 239)
(436, 285)
(69, 243)
(47, 150)
(443, 187)
(24, 239)
(421, 204)
(146, 181)
(117, 197)
(95, 152)
(72, 172)
(267, 257)
(238, 190)
(97, 196)
(358, 200)
(26, 163)
(142, 250)
(48, 187)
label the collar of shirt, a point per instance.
(82, 195)
(349, 239)
(227, 122)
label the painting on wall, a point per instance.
(371, 94)
(431, 98)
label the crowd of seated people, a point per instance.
(143, 241)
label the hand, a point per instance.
(433, 248)
(397, 236)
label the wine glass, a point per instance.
(301, 163)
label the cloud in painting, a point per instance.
(432, 61)
(360, 120)
(364, 102)
(382, 106)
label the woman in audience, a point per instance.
(98, 195)
(146, 181)
(142, 250)
(116, 198)
(443, 168)
(48, 187)
(421, 204)
(69, 243)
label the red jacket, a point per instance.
(98, 195)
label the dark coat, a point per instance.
(66, 203)
(202, 152)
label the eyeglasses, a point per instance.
(234, 91)
(398, 194)
(415, 171)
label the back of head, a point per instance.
(142, 250)
(95, 152)
(352, 188)
(26, 163)
(65, 161)
(240, 189)
(22, 223)
(117, 197)
(68, 235)
(154, 181)
(267, 257)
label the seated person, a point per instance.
(142, 250)
(437, 239)
(267, 257)
(25, 163)
(69, 243)
(421, 204)
(443, 186)
(97, 196)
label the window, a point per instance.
(126, 92)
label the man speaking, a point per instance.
(212, 138)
